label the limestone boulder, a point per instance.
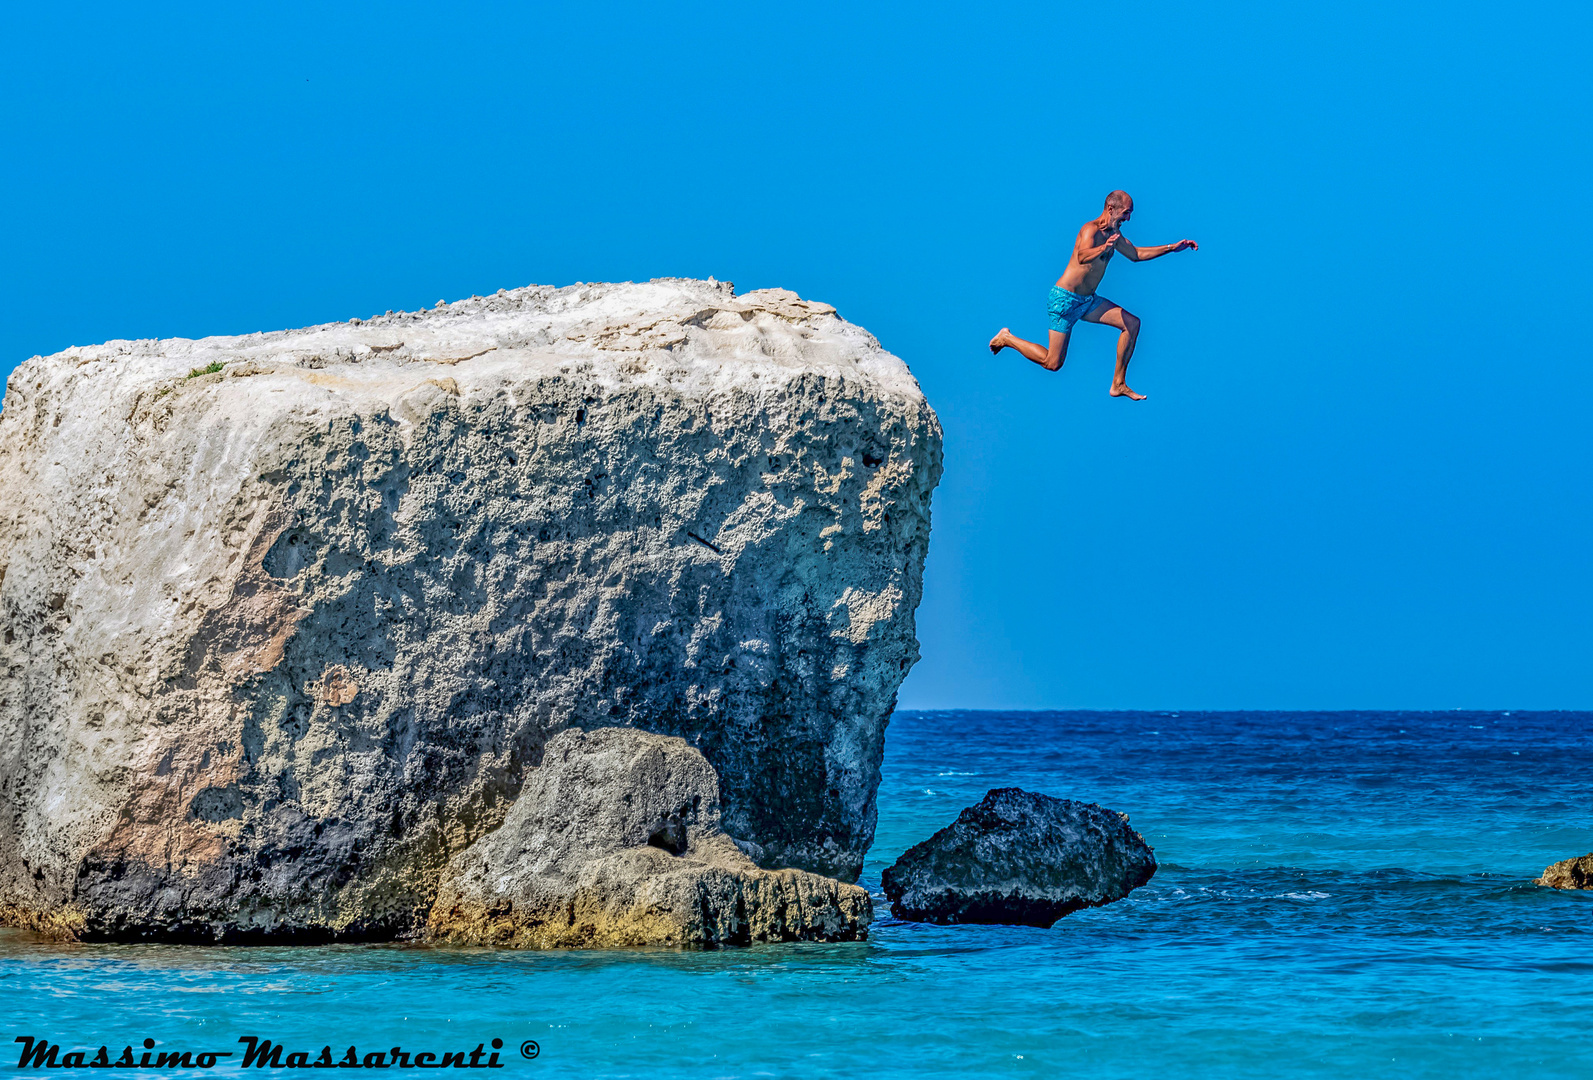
(286, 618)
(616, 841)
(1574, 873)
(1022, 858)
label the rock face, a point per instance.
(615, 841)
(1018, 857)
(285, 619)
(1569, 874)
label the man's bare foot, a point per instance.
(1123, 390)
(999, 342)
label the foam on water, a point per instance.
(1339, 894)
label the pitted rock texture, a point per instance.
(1021, 858)
(615, 841)
(278, 639)
(1574, 873)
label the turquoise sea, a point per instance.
(1340, 894)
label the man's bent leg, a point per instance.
(1051, 359)
(1110, 314)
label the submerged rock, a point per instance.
(286, 618)
(1019, 857)
(616, 841)
(1574, 873)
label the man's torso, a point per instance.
(1083, 278)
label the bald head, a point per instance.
(1118, 208)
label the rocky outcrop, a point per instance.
(1574, 873)
(616, 841)
(285, 619)
(1022, 858)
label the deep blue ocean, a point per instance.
(1340, 894)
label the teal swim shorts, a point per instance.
(1067, 308)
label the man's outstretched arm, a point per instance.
(1140, 254)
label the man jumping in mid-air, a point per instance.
(1073, 297)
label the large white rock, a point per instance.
(278, 639)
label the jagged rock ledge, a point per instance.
(286, 618)
(1574, 873)
(616, 841)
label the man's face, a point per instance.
(1120, 216)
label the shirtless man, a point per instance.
(1073, 298)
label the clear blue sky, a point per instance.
(1362, 478)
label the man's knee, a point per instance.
(1131, 323)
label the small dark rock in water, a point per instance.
(1018, 857)
(1569, 874)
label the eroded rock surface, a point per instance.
(616, 841)
(1022, 858)
(278, 639)
(1574, 873)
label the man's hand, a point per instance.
(1186, 245)
(1105, 246)
(1086, 250)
